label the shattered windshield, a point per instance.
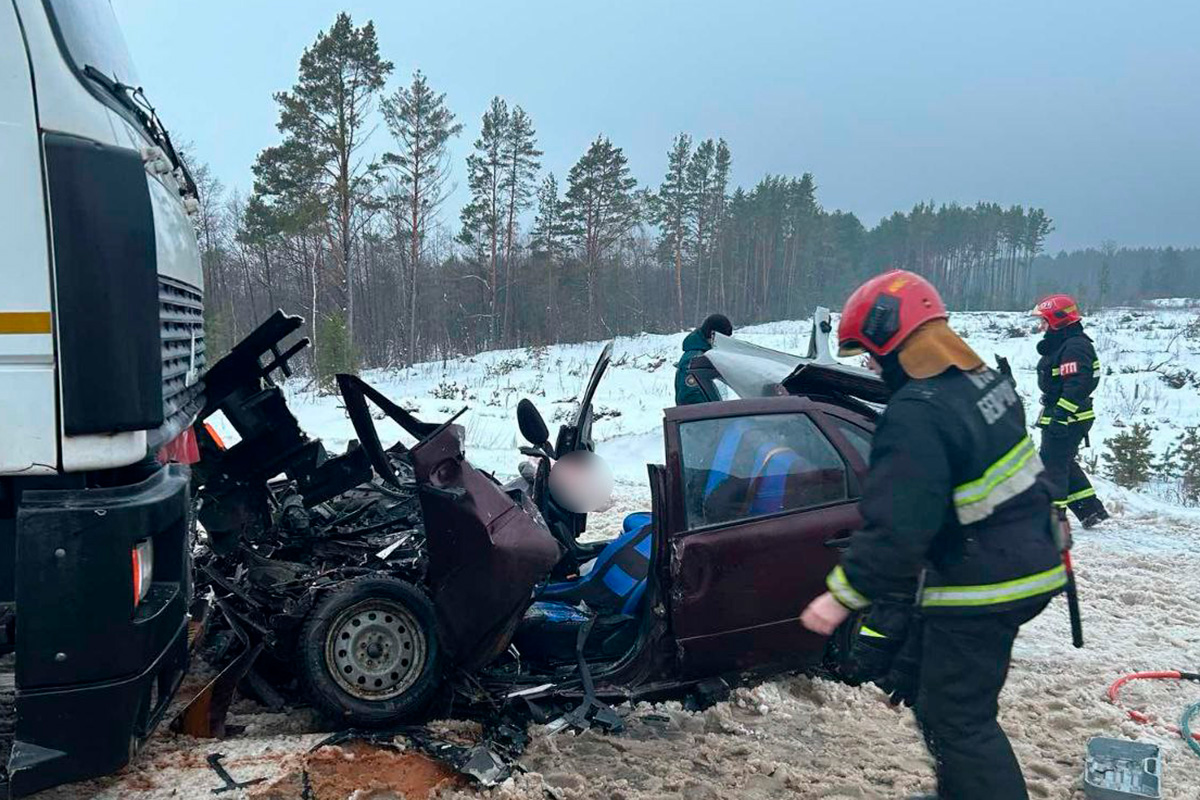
(749, 369)
(90, 35)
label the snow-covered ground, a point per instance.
(1137, 348)
(1139, 579)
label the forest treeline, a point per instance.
(362, 246)
(1109, 275)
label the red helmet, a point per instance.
(1058, 310)
(885, 310)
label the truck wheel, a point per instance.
(369, 653)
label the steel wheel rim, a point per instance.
(375, 650)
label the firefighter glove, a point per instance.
(880, 637)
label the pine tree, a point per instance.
(548, 240)
(288, 202)
(521, 166)
(482, 216)
(1170, 268)
(601, 209)
(722, 164)
(324, 119)
(699, 182)
(670, 209)
(1129, 459)
(337, 352)
(1182, 461)
(421, 125)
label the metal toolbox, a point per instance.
(1118, 769)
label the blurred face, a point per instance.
(581, 482)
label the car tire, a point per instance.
(369, 653)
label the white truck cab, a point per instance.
(101, 347)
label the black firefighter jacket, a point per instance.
(1068, 373)
(955, 490)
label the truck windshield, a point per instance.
(90, 35)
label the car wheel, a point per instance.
(369, 653)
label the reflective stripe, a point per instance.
(1043, 420)
(1067, 404)
(26, 322)
(847, 595)
(996, 593)
(1083, 494)
(1015, 472)
(870, 632)
(1084, 416)
(1096, 365)
(1059, 503)
(1054, 372)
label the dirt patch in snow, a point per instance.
(358, 770)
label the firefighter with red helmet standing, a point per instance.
(958, 547)
(1068, 373)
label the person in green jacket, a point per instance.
(697, 343)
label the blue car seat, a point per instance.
(770, 468)
(617, 580)
(613, 590)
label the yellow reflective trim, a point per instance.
(1059, 503)
(18, 322)
(1067, 404)
(1054, 372)
(996, 593)
(870, 632)
(839, 586)
(1004, 480)
(1083, 494)
(1004, 467)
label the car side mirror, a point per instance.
(532, 426)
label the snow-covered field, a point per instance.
(1139, 579)
(1137, 348)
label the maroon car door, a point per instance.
(759, 496)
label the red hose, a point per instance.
(1140, 716)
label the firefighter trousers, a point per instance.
(964, 663)
(1060, 457)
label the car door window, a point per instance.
(739, 468)
(859, 438)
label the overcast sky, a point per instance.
(1089, 109)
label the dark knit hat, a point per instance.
(718, 323)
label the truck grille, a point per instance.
(181, 322)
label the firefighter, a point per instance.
(697, 343)
(957, 549)
(1068, 373)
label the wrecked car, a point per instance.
(377, 582)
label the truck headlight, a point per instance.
(143, 570)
